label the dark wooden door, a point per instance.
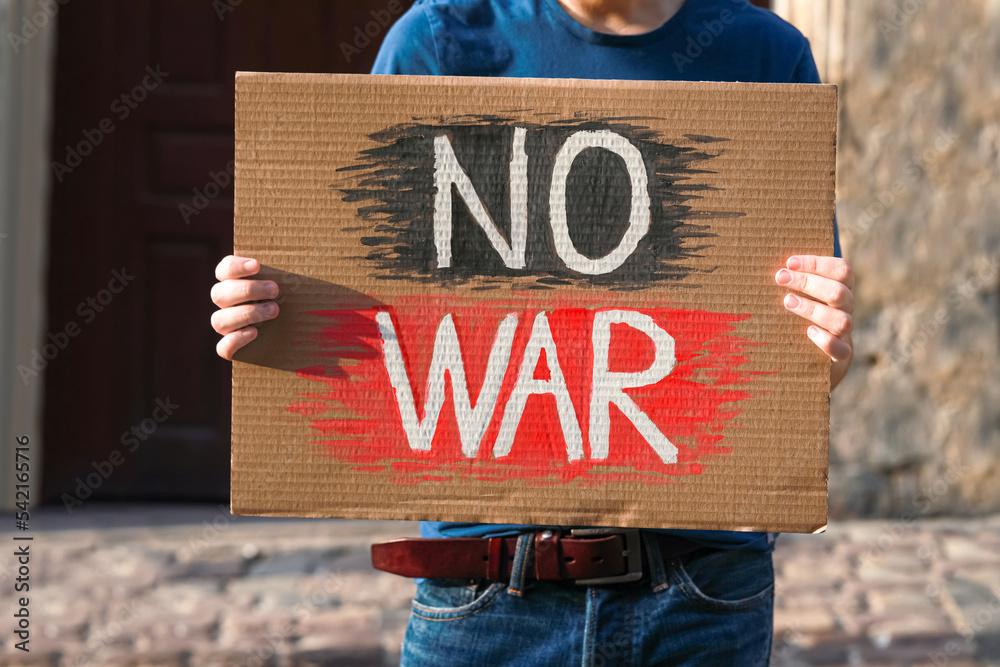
(142, 211)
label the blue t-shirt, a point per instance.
(707, 40)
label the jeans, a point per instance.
(709, 608)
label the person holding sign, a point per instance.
(570, 595)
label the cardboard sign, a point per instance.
(532, 301)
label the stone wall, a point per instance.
(27, 55)
(916, 424)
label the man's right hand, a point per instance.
(231, 294)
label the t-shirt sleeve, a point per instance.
(805, 69)
(837, 252)
(409, 46)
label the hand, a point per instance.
(231, 294)
(829, 281)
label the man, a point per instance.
(704, 597)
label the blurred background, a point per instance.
(116, 149)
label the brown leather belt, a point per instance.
(588, 556)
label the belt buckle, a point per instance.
(632, 553)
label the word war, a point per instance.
(606, 388)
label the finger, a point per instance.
(228, 320)
(232, 292)
(836, 321)
(834, 268)
(230, 343)
(827, 290)
(836, 348)
(232, 267)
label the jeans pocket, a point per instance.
(453, 599)
(725, 581)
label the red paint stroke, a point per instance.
(692, 406)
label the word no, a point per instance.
(448, 172)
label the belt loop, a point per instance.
(658, 577)
(522, 556)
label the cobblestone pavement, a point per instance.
(193, 585)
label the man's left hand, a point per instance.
(828, 302)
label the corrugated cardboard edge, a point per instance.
(530, 82)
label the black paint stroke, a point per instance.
(394, 189)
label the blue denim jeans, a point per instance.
(710, 608)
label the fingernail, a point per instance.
(270, 309)
(813, 332)
(791, 301)
(784, 277)
(271, 290)
(250, 265)
(794, 263)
